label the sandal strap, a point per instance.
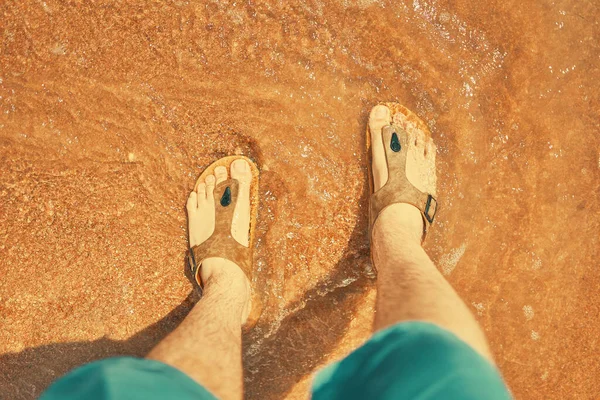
(221, 243)
(398, 188)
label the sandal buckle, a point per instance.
(431, 201)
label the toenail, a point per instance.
(380, 112)
(240, 165)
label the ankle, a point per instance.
(224, 276)
(400, 223)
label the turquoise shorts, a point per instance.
(411, 360)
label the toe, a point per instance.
(201, 211)
(240, 170)
(201, 189)
(220, 174)
(420, 139)
(430, 149)
(379, 117)
(192, 203)
(210, 186)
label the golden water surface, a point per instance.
(109, 110)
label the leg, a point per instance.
(409, 285)
(207, 345)
(438, 351)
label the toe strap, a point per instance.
(398, 188)
(221, 243)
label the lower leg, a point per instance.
(207, 345)
(409, 285)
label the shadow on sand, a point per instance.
(299, 345)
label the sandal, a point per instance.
(398, 188)
(221, 243)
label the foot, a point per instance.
(420, 170)
(201, 224)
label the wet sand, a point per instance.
(108, 113)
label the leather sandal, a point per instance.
(398, 188)
(221, 243)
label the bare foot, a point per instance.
(201, 224)
(420, 169)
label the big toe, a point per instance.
(380, 116)
(240, 170)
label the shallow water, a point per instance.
(108, 113)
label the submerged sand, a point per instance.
(110, 110)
